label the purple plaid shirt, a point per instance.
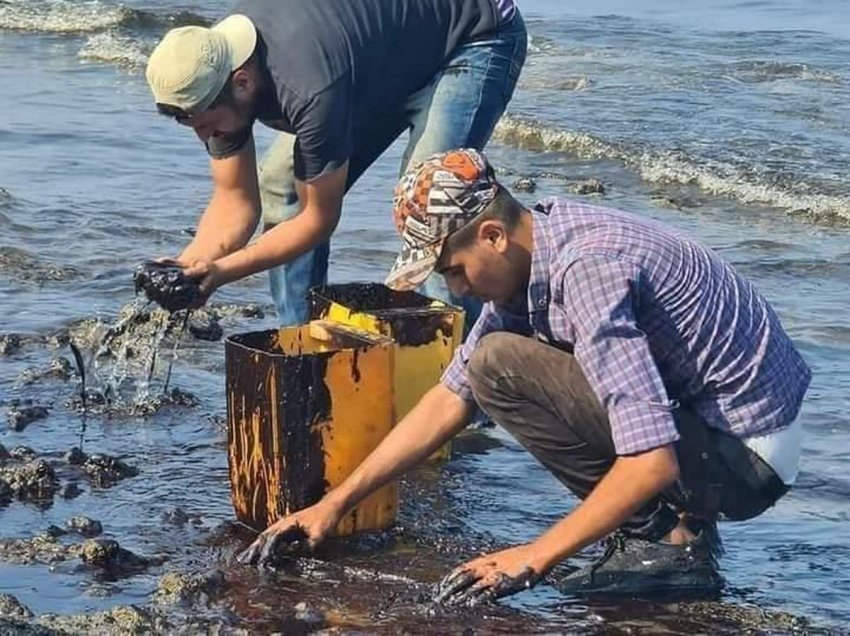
(655, 320)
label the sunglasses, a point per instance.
(175, 112)
(182, 115)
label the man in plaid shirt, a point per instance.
(647, 375)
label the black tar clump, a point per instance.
(166, 285)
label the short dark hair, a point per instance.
(502, 208)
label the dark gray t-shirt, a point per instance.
(334, 65)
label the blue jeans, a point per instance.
(459, 108)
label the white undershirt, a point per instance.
(780, 450)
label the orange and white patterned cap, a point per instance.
(433, 200)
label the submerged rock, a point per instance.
(19, 418)
(84, 526)
(252, 311)
(4, 454)
(176, 587)
(206, 327)
(100, 552)
(11, 607)
(9, 343)
(124, 619)
(179, 517)
(42, 548)
(6, 493)
(105, 470)
(108, 555)
(55, 531)
(589, 186)
(71, 490)
(22, 453)
(76, 457)
(59, 368)
(19, 627)
(525, 184)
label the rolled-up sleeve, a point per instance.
(602, 295)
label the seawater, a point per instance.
(728, 120)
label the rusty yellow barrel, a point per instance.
(425, 332)
(306, 405)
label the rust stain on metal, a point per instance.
(277, 405)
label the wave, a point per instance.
(757, 71)
(62, 17)
(86, 17)
(117, 49)
(665, 167)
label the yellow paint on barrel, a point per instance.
(303, 413)
(426, 333)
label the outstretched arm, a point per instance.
(631, 482)
(321, 201)
(438, 416)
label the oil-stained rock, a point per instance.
(19, 418)
(124, 619)
(525, 184)
(9, 343)
(6, 494)
(55, 531)
(589, 186)
(22, 453)
(4, 454)
(11, 607)
(174, 397)
(76, 457)
(108, 555)
(19, 627)
(30, 481)
(84, 526)
(179, 517)
(60, 368)
(42, 548)
(104, 470)
(205, 327)
(176, 587)
(71, 490)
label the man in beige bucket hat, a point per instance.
(342, 79)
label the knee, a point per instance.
(492, 357)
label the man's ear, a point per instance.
(494, 234)
(241, 80)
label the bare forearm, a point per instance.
(282, 244)
(436, 418)
(225, 226)
(629, 484)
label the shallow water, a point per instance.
(729, 120)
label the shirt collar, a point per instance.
(538, 281)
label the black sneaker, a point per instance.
(633, 566)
